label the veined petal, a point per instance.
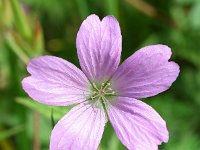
(146, 73)
(54, 81)
(138, 126)
(80, 129)
(99, 45)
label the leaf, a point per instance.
(186, 141)
(10, 132)
(20, 20)
(194, 16)
(45, 110)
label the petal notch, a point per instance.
(146, 73)
(138, 126)
(99, 45)
(54, 81)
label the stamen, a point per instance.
(100, 93)
(93, 97)
(109, 89)
(94, 85)
(102, 85)
(112, 93)
(107, 84)
(96, 101)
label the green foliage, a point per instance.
(8, 133)
(29, 28)
(45, 110)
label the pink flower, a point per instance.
(104, 91)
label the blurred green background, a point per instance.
(30, 28)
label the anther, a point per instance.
(109, 89)
(113, 92)
(108, 84)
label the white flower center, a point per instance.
(101, 93)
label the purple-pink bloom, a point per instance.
(104, 91)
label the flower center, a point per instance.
(101, 92)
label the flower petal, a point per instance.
(138, 126)
(99, 47)
(80, 129)
(54, 81)
(146, 73)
